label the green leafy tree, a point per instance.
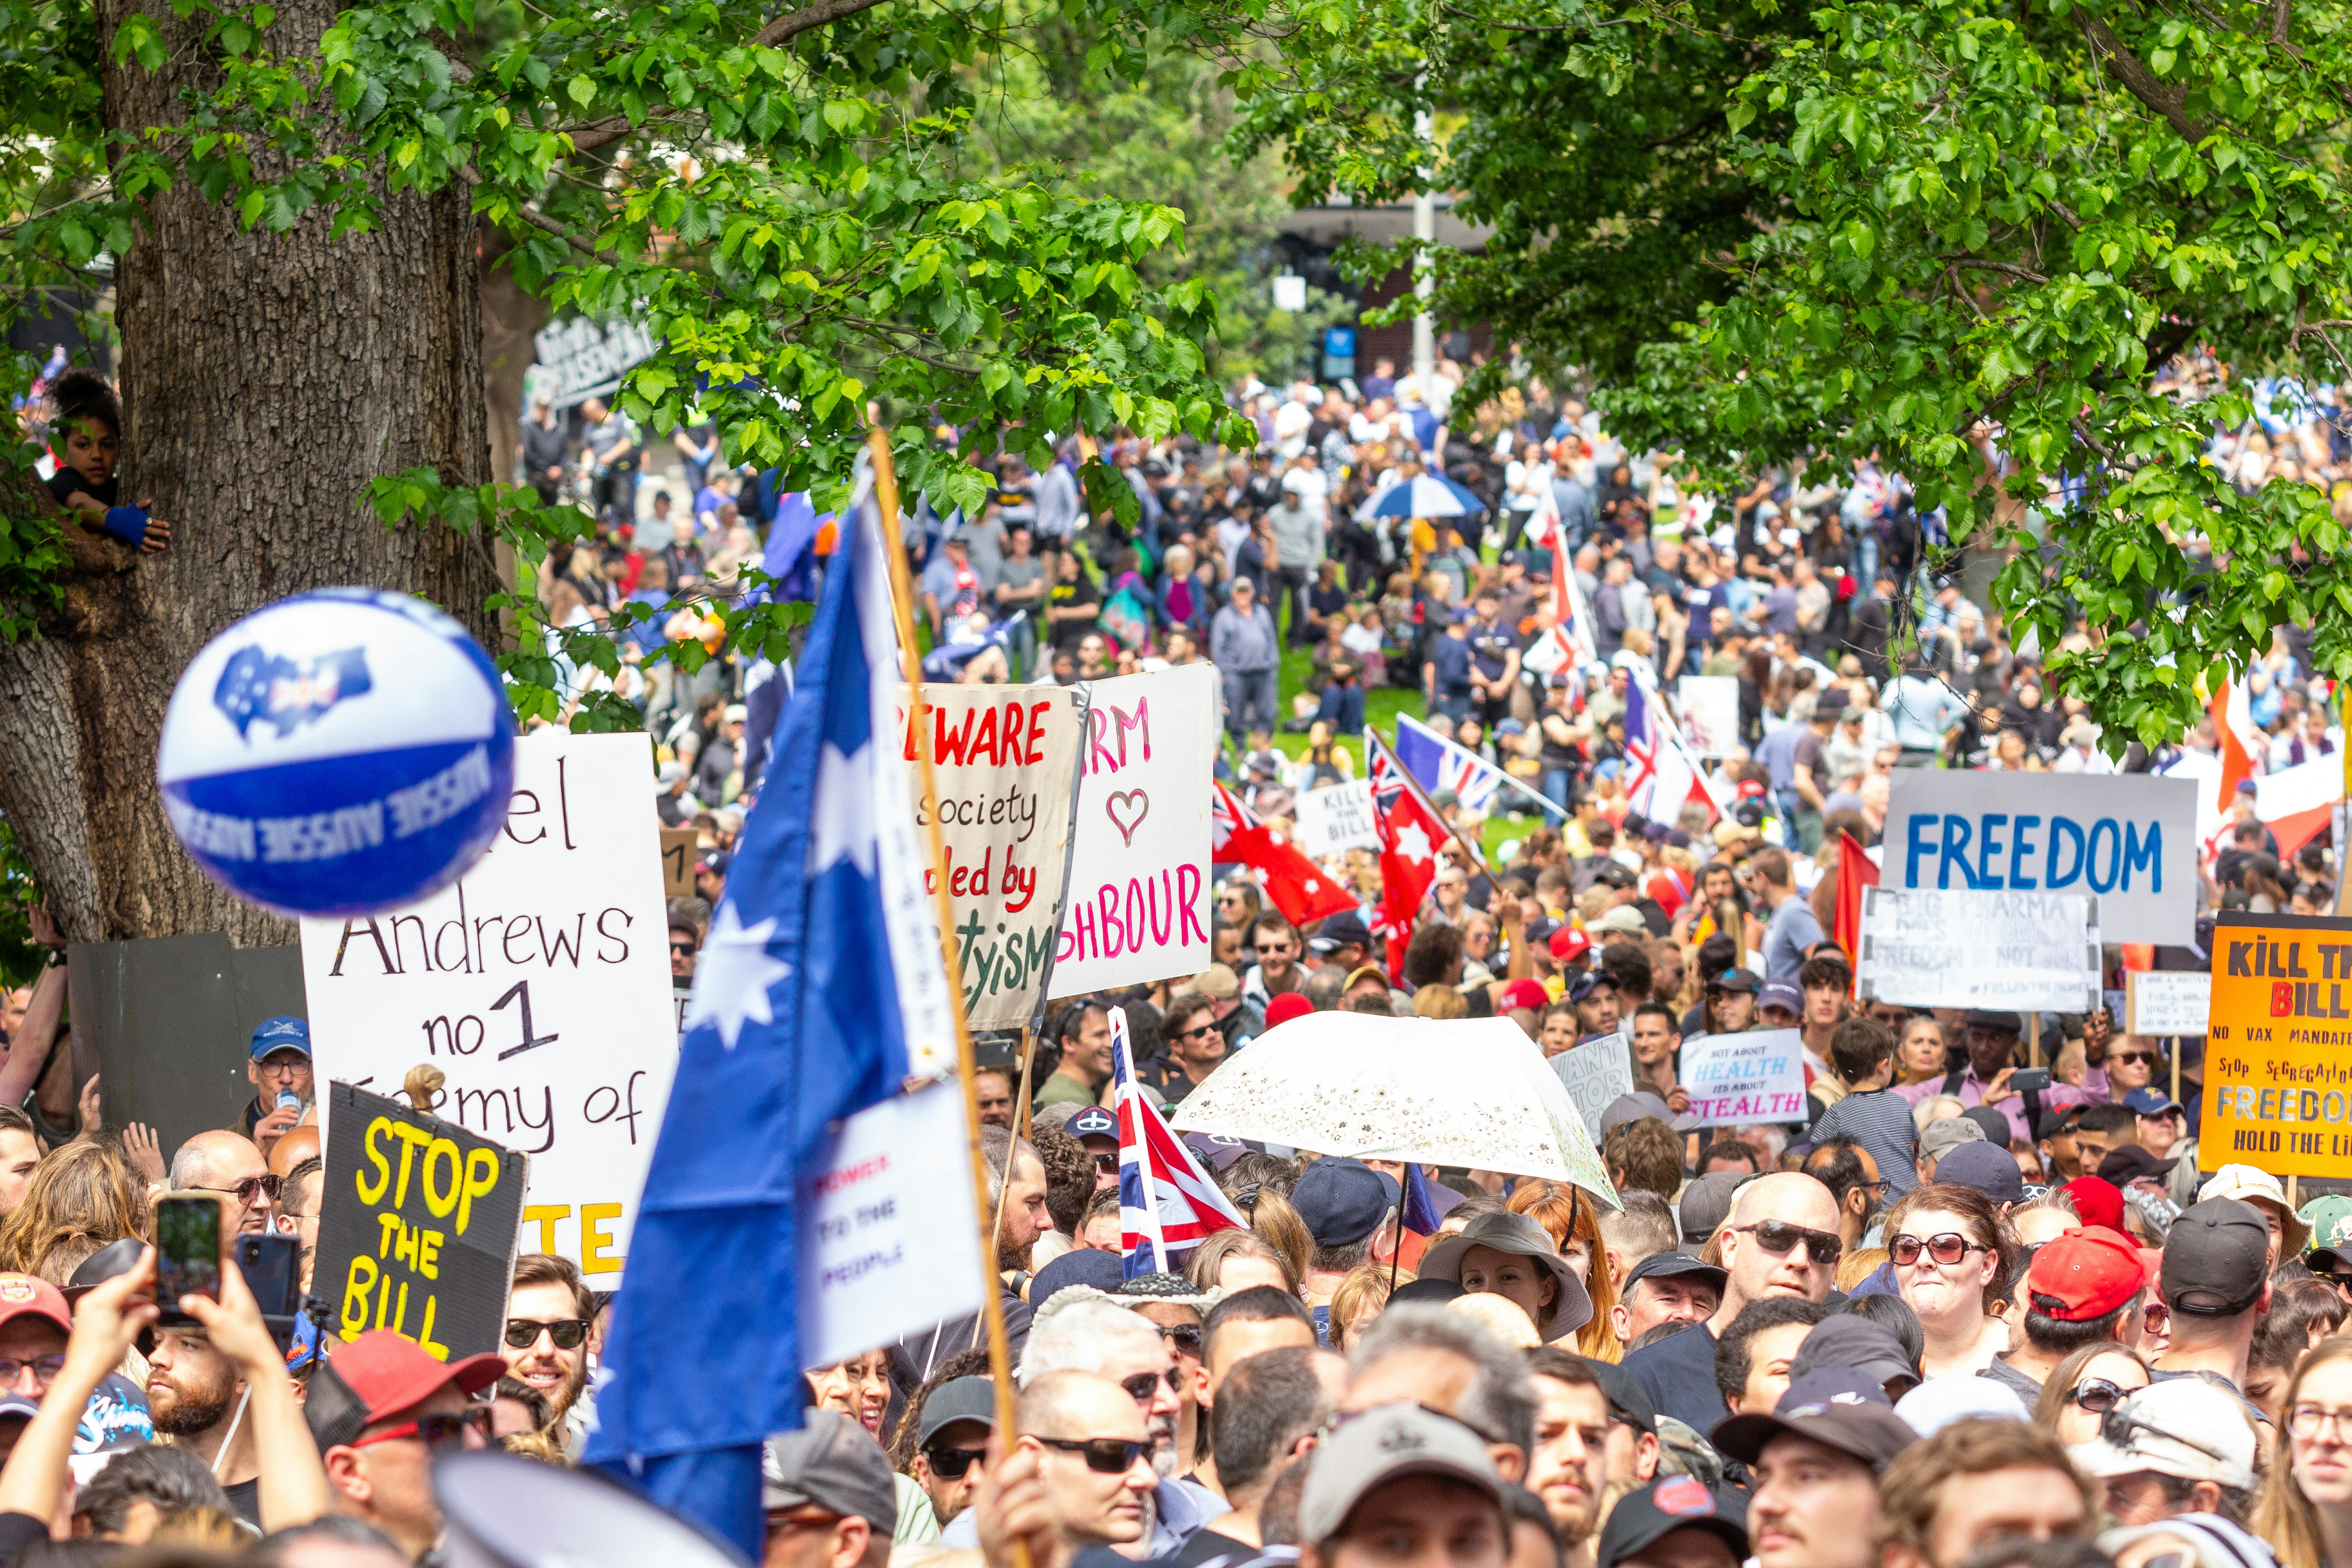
(1895, 228)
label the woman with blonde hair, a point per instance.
(2305, 1509)
(1441, 1002)
(1573, 1222)
(1275, 1222)
(1238, 1260)
(1362, 1296)
(85, 1195)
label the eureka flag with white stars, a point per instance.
(820, 988)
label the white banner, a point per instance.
(2007, 952)
(1001, 756)
(1139, 876)
(1710, 705)
(538, 985)
(1334, 818)
(2129, 839)
(1735, 1079)
(887, 1212)
(1597, 1076)
(2168, 1001)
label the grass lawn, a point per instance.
(1381, 706)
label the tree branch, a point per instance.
(2282, 22)
(2141, 83)
(1977, 264)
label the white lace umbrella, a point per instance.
(1474, 1092)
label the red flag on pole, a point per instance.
(1300, 888)
(1409, 834)
(1855, 871)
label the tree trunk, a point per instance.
(265, 380)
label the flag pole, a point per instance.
(902, 599)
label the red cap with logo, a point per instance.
(380, 1374)
(1527, 993)
(2083, 1275)
(1569, 945)
(21, 1295)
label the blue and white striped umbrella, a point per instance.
(1430, 495)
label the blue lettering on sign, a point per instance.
(1993, 851)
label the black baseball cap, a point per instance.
(1836, 1406)
(2129, 1163)
(1734, 980)
(1626, 1400)
(958, 1399)
(1675, 1264)
(2216, 1258)
(1648, 1515)
(1341, 931)
(1342, 1200)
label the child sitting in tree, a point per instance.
(85, 436)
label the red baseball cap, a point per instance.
(2089, 1273)
(1569, 945)
(1527, 993)
(1288, 1005)
(379, 1373)
(21, 1295)
(2096, 1202)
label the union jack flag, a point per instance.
(1166, 1204)
(1660, 776)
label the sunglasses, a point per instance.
(2098, 1396)
(1107, 1163)
(1204, 1030)
(1144, 1384)
(1779, 1238)
(685, 947)
(1949, 1248)
(440, 1433)
(1185, 1336)
(569, 1333)
(1105, 1455)
(246, 1190)
(952, 1464)
(2148, 1058)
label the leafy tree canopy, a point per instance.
(1882, 226)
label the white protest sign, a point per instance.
(1335, 817)
(2006, 951)
(1710, 705)
(1140, 865)
(2168, 1001)
(538, 985)
(2129, 839)
(1738, 1078)
(1597, 1075)
(887, 1246)
(1003, 757)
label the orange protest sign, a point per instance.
(2278, 1079)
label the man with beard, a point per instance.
(197, 1402)
(550, 1311)
(1846, 1169)
(1569, 1467)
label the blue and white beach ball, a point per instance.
(339, 753)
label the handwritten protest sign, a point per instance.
(678, 854)
(887, 1210)
(1597, 1075)
(538, 985)
(1335, 817)
(1710, 705)
(417, 1227)
(2167, 1002)
(2007, 952)
(1736, 1078)
(2130, 839)
(2278, 1078)
(1140, 861)
(1003, 757)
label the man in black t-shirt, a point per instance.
(1446, 675)
(1494, 657)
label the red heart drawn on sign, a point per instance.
(1142, 804)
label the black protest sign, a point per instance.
(417, 1227)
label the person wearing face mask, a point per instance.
(1781, 1240)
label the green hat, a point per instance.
(2330, 1219)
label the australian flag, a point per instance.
(1166, 1204)
(821, 980)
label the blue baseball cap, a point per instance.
(1094, 1121)
(283, 1033)
(1343, 1201)
(2151, 1102)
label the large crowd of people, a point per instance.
(1950, 1317)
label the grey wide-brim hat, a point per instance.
(1517, 1235)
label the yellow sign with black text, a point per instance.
(2278, 1046)
(417, 1226)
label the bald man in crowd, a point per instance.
(227, 1162)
